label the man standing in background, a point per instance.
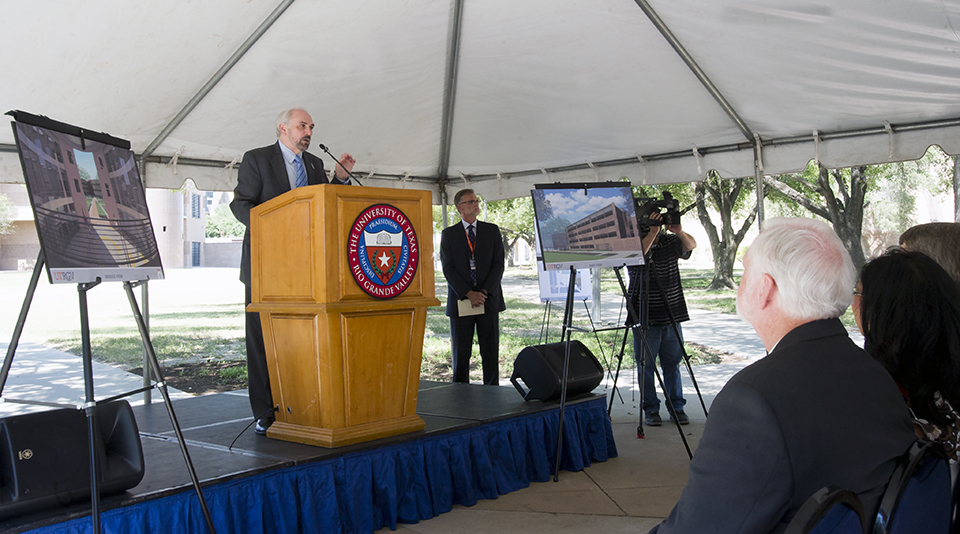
(665, 305)
(472, 256)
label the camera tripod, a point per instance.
(639, 317)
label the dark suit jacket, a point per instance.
(455, 259)
(263, 176)
(816, 411)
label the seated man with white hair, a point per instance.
(817, 410)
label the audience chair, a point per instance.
(831, 510)
(918, 497)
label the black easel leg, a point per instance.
(568, 334)
(15, 340)
(152, 357)
(90, 405)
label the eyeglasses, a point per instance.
(470, 202)
(857, 292)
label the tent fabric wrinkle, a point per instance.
(432, 94)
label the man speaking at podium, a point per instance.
(471, 253)
(265, 173)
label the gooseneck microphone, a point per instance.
(352, 177)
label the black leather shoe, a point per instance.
(652, 419)
(682, 417)
(262, 425)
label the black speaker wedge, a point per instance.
(540, 368)
(45, 456)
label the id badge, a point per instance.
(473, 264)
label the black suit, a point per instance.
(263, 176)
(489, 258)
(816, 411)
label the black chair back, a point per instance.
(918, 497)
(831, 510)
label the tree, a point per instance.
(516, 221)
(222, 223)
(838, 196)
(728, 198)
(6, 215)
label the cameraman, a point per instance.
(663, 250)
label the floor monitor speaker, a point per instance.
(540, 368)
(45, 458)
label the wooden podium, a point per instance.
(344, 365)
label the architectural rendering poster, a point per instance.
(88, 203)
(587, 225)
(554, 284)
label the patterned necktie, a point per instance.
(473, 245)
(301, 172)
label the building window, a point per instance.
(195, 205)
(195, 254)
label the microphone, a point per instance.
(352, 177)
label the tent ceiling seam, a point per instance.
(450, 87)
(695, 68)
(219, 75)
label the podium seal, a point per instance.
(383, 251)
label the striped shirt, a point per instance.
(663, 255)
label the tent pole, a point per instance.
(207, 87)
(758, 176)
(694, 67)
(450, 87)
(443, 204)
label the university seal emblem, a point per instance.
(383, 251)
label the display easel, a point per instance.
(90, 402)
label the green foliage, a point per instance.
(6, 215)
(514, 217)
(238, 372)
(222, 223)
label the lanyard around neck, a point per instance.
(470, 243)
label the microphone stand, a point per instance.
(352, 177)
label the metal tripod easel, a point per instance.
(90, 402)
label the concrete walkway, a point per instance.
(39, 373)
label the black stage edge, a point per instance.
(209, 424)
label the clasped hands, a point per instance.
(477, 298)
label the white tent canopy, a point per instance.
(497, 94)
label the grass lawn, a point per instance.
(196, 316)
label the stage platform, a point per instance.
(479, 442)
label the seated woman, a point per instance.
(908, 310)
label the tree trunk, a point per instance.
(844, 213)
(723, 244)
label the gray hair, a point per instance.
(813, 270)
(284, 118)
(459, 196)
(940, 241)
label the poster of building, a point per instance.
(88, 203)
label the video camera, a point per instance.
(646, 206)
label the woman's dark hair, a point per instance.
(910, 313)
